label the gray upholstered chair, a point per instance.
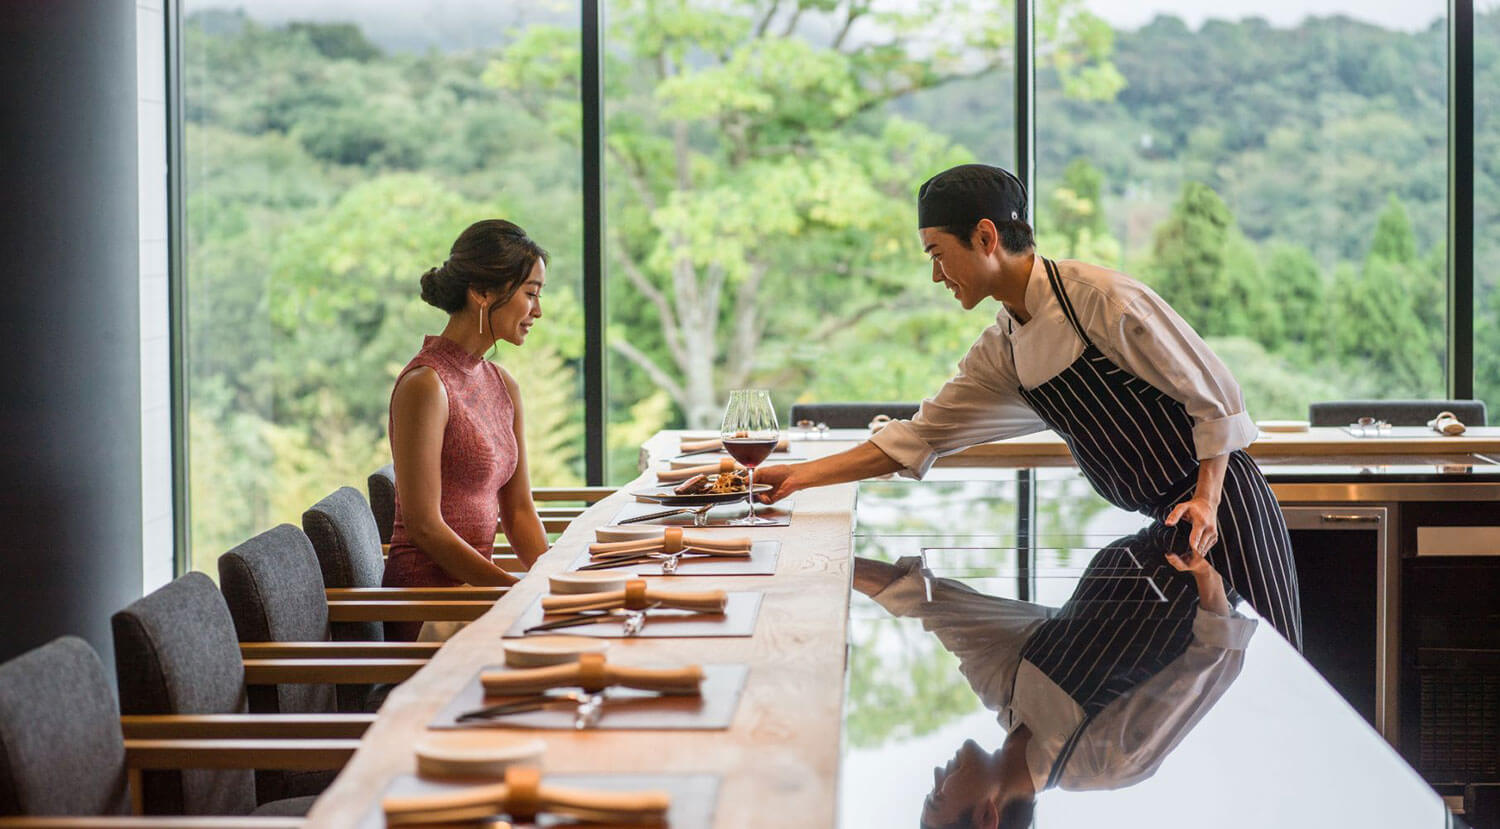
(382, 488)
(346, 538)
(1394, 412)
(61, 749)
(274, 588)
(176, 653)
(849, 415)
(273, 585)
(66, 751)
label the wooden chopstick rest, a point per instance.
(593, 674)
(523, 796)
(637, 596)
(672, 540)
(674, 475)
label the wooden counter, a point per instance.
(779, 760)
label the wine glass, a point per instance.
(749, 434)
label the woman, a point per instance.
(456, 426)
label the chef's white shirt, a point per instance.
(1124, 318)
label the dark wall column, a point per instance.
(70, 399)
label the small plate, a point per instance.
(475, 753)
(589, 581)
(538, 651)
(665, 495)
(627, 532)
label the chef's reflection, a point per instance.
(1092, 695)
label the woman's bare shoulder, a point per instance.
(419, 385)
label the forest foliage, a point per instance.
(1284, 188)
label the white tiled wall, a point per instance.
(156, 390)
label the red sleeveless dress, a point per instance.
(478, 458)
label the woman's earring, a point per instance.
(482, 309)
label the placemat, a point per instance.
(761, 562)
(738, 620)
(694, 796)
(624, 708)
(713, 458)
(1417, 432)
(719, 515)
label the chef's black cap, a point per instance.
(965, 194)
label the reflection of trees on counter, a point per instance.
(1064, 509)
(902, 683)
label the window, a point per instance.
(1280, 180)
(333, 152)
(761, 169)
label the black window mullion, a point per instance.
(1461, 199)
(595, 401)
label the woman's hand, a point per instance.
(1203, 514)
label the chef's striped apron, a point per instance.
(1135, 445)
(1129, 617)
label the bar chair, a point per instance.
(850, 415)
(176, 654)
(65, 750)
(273, 586)
(1394, 412)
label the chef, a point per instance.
(1151, 415)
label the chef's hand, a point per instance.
(1190, 562)
(1204, 516)
(779, 477)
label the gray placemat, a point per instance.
(719, 515)
(761, 562)
(738, 619)
(694, 796)
(624, 708)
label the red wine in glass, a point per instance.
(750, 452)
(749, 433)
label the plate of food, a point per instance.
(702, 489)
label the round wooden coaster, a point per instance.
(475, 753)
(627, 532)
(588, 581)
(536, 651)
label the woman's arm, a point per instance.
(419, 414)
(523, 527)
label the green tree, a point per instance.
(1389, 319)
(763, 189)
(1296, 285)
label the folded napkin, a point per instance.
(718, 443)
(672, 541)
(523, 796)
(672, 476)
(636, 596)
(592, 674)
(1447, 423)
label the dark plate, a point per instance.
(665, 495)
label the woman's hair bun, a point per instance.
(491, 256)
(441, 290)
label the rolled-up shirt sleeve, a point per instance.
(1144, 336)
(981, 403)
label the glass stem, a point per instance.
(750, 490)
